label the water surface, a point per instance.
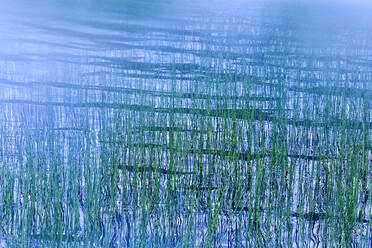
(185, 123)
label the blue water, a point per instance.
(77, 75)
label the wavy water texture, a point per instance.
(165, 123)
